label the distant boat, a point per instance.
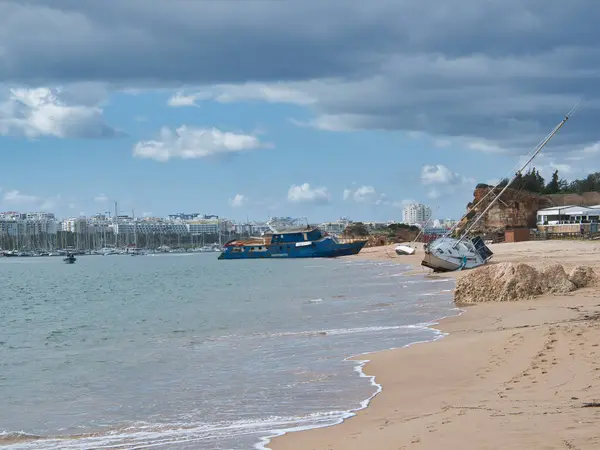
(70, 259)
(305, 243)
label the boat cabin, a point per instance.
(297, 236)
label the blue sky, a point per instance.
(298, 109)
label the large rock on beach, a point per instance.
(583, 276)
(556, 280)
(507, 282)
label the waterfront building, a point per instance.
(416, 214)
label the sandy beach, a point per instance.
(512, 375)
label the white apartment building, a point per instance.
(28, 227)
(252, 228)
(75, 225)
(416, 214)
(203, 226)
(336, 227)
(39, 216)
(146, 227)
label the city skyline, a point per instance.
(323, 121)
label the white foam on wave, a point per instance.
(360, 364)
(144, 435)
(339, 331)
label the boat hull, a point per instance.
(439, 264)
(313, 250)
(404, 250)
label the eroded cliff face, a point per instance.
(514, 209)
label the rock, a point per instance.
(582, 276)
(499, 283)
(557, 280)
(516, 281)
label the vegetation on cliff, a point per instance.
(532, 181)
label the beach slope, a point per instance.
(518, 375)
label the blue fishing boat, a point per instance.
(305, 243)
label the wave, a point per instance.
(142, 435)
(264, 441)
(342, 331)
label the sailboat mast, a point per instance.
(539, 149)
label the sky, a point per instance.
(249, 109)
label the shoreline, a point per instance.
(427, 415)
(265, 442)
(361, 361)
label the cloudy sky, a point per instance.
(305, 108)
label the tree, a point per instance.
(356, 229)
(553, 186)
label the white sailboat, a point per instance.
(447, 254)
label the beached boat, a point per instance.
(447, 254)
(303, 243)
(404, 249)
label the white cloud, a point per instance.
(439, 174)
(441, 143)
(179, 100)
(303, 193)
(586, 152)
(101, 198)
(403, 203)
(365, 194)
(237, 201)
(485, 146)
(40, 112)
(17, 197)
(227, 93)
(192, 143)
(443, 181)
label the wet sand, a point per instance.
(516, 375)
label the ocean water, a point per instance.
(188, 352)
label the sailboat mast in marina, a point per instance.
(447, 254)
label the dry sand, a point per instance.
(513, 375)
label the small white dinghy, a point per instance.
(404, 249)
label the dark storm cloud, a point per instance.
(501, 71)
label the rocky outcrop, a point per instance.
(517, 208)
(514, 209)
(506, 282)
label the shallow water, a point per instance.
(185, 351)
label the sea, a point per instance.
(184, 351)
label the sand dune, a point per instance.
(516, 375)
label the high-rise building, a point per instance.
(416, 214)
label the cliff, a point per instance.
(517, 208)
(514, 209)
(584, 199)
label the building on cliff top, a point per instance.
(569, 219)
